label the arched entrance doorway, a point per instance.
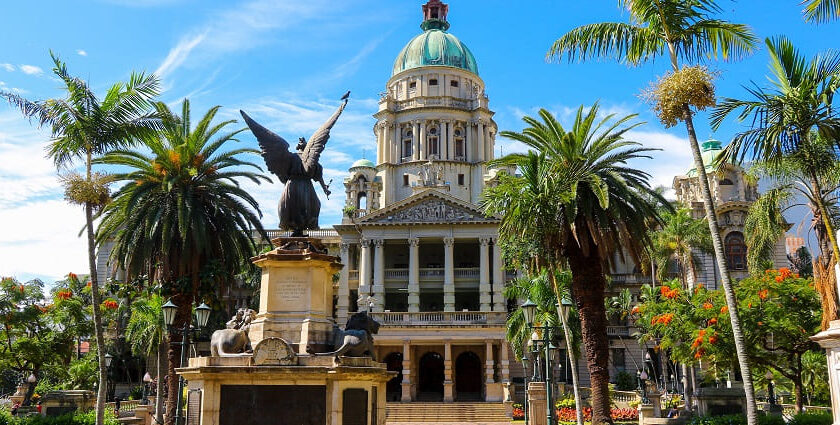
(468, 377)
(430, 383)
(394, 387)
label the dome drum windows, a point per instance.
(460, 144)
(433, 141)
(407, 145)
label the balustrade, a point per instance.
(459, 318)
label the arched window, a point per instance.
(406, 145)
(726, 182)
(736, 251)
(460, 153)
(432, 142)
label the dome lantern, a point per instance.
(434, 16)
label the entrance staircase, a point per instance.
(437, 413)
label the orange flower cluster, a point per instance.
(64, 294)
(708, 306)
(635, 310)
(713, 321)
(699, 340)
(110, 304)
(669, 293)
(724, 309)
(664, 319)
(72, 276)
(713, 339)
(699, 354)
(763, 293)
(89, 284)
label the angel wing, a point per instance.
(275, 149)
(319, 139)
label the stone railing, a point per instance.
(353, 274)
(620, 330)
(445, 101)
(127, 407)
(396, 274)
(432, 272)
(458, 318)
(320, 233)
(630, 278)
(467, 272)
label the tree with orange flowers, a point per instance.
(779, 312)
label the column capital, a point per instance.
(344, 246)
(365, 243)
(414, 241)
(484, 240)
(379, 242)
(449, 242)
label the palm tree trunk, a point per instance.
(588, 284)
(159, 388)
(687, 393)
(182, 316)
(97, 314)
(731, 302)
(826, 217)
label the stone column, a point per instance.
(380, 142)
(498, 277)
(364, 271)
(484, 273)
(488, 144)
(505, 362)
(489, 364)
(406, 371)
(468, 143)
(378, 291)
(480, 144)
(448, 274)
(415, 136)
(413, 275)
(447, 372)
(422, 145)
(343, 305)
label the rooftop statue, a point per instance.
(299, 205)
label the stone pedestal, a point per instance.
(494, 391)
(656, 402)
(296, 294)
(829, 339)
(320, 390)
(720, 401)
(57, 403)
(20, 394)
(537, 404)
(646, 413)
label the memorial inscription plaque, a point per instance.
(273, 405)
(273, 352)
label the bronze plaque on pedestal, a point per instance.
(273, 405)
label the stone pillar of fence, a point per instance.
(537, 404)
(829, 339)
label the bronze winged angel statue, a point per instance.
(299, 205)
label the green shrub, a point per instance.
(136, 393)
(770, 419)
(742, 420)
(624, 381)
(811, 419)
(566, 402)
(87, 418)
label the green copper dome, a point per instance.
(363, 163)
(711, 149)
(435, 47)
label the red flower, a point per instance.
(64, 294)
(760, 323)
(763, 293)
(724, 309)
(713, 339)
(110, 304)
(635, 310)
(699, 353)
(707, 306)
(785, 273)
(72, 276)
(89, 284)
(780, 279)
(712, 321)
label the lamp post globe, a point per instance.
(108, 360)
(32, 379)
(169, 310)
(529, 309)
(566, 306)
(202, 315)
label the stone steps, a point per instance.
(462, 413)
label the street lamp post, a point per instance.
(525, 380)
(771, 396)
(643, 376)
(147, 379)
(565, 307)
(529, 309)
(109, 359)
(202, 315)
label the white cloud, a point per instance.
(31, 69)
(179, 54)
(7, 66)
(81, 52)
(241, 28)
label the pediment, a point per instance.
(428, 208)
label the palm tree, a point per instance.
(581, 201)
(794, 121)
(821, 11)
(181, 216)
(83, 126)
(682, 238)
(146, 334)
(684, 30)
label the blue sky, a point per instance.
(287, 62)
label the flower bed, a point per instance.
(567, 414)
